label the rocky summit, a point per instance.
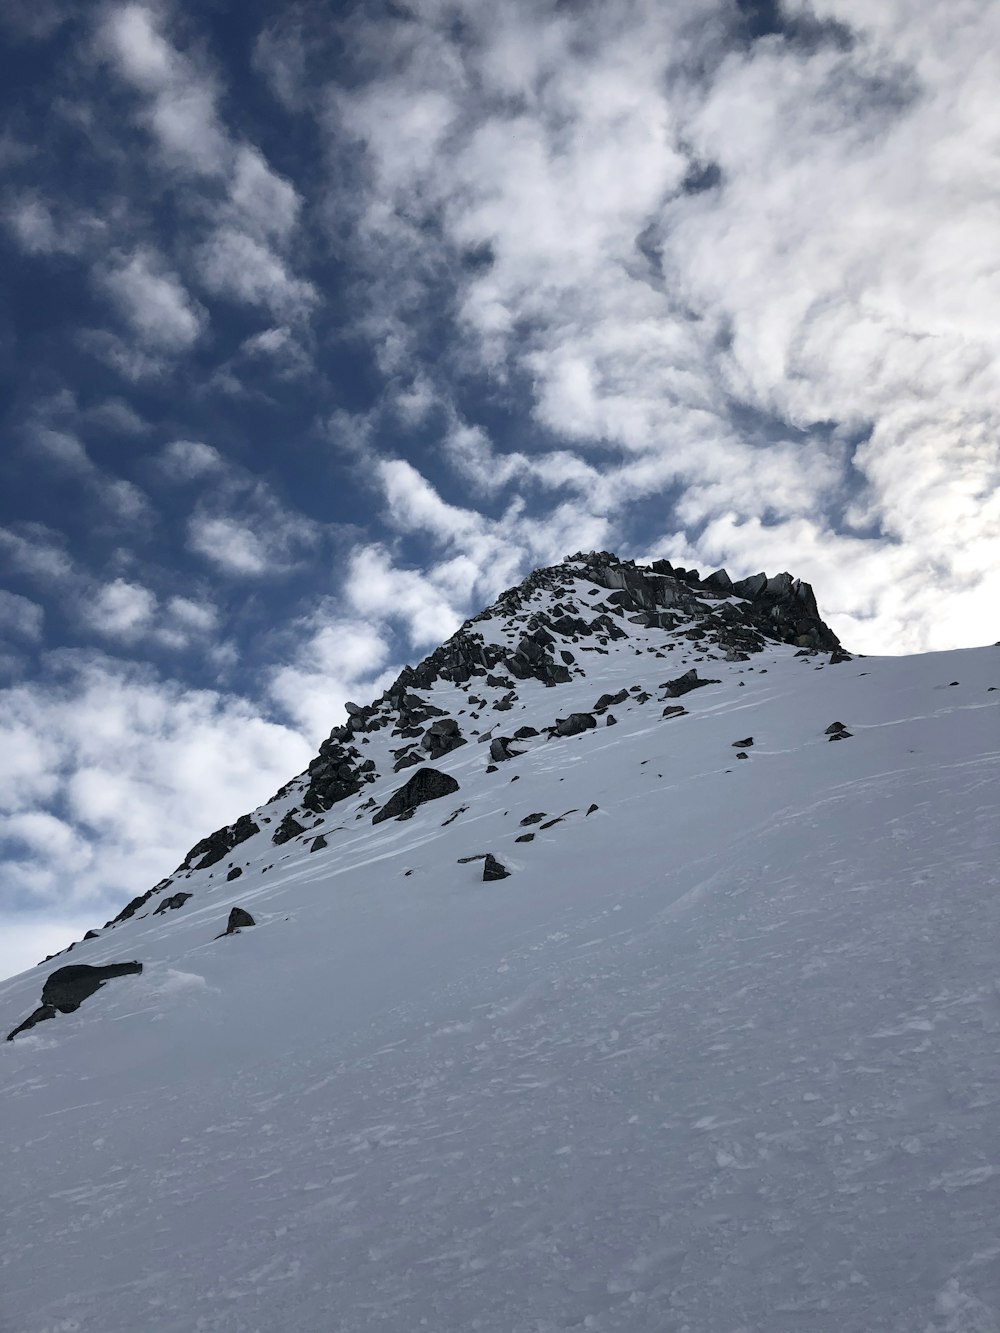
(579, 981)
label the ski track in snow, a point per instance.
(719, 1058)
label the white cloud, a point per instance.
(121, 610)
(20, 617)
(234, 264)
(34, 549)
(181, 111)
(339, 658)
(190, 460)
(154, 302)
(137, 767)
(833, 279)
(261, 539)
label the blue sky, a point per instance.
(321, 325)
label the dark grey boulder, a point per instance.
(67, 988)
(427, 784)
(574, 724)
(500, 750)
(235, 873)
(536, 818)
(744, 744)
(607, 700)
(170, 903)
(288, 828)
(685, 684)
(675, 710)
(441, 737)
(238, 918)
(493, 869)
(318, 844)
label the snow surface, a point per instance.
(721, 1056)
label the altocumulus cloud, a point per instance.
(322, 328)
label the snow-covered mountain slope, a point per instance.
(719, 1053)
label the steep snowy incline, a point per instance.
(719, 1054)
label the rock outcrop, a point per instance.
(67, 988)
(427, 784)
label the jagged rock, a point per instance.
(573, 725)
(318, 844)
(834, 727)
(742, 754)
(839, 655)
(493, 869)
(441, 737)
(67, 988)
(536, 818)
(591, 808)
(476, 856)
(407, 760)
(170, 904)
(675, 710)
(607, 700)
(500, 750)
(238, 919)
(427, 784)
(523, 733)
(525, 837)
(219, 844)
(235, 873)
(744, 744)
(288, 828)
(684, 684)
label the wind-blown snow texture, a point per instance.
(718, 1056)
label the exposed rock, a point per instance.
(742, 754)
(675, 710)
(606, 700)
(407, 759)
(318, 844)
(536, 818)
(744, 744)
(524, 733)
(573, 725)
(235, 873)
(493, 869)
(67, 988)
(238, 919)
(592, 808)
(500, 750)
(611, 720)
(427, 784)
(836, 731)
(288, 828)
(441, 737)
(525, 837)
(212, 849)
(684, 684)
(838, 655)
(172, 902)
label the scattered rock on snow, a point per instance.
(238, 918)
(494, 869)
(170, 903)
(427, 784)
(67, 988)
